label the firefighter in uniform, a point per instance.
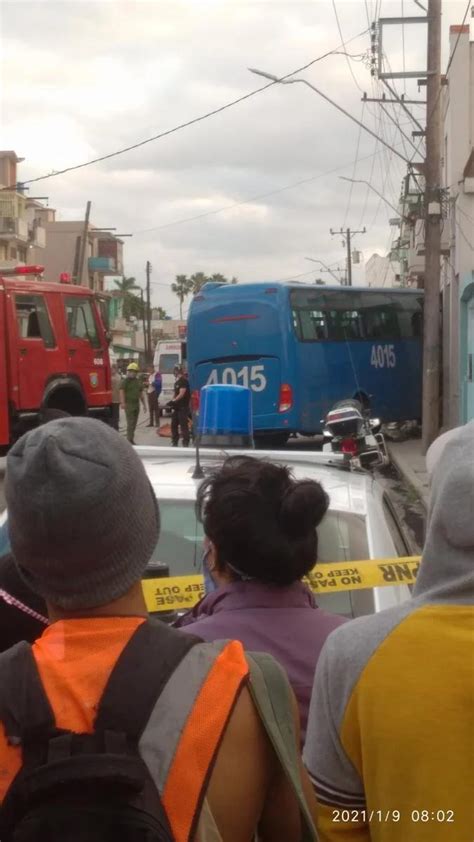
(180, 408)
(131, 393)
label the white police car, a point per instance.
(358, 527)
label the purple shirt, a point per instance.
(285, 622)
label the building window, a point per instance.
(33, 319)
(81, 321)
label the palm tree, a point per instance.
(198, 280)
(125, 286)
(182, 288)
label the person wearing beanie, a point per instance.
(22, 611)
(83, 524)
(391, 724)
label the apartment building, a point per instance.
(22, 220)
(103, 254)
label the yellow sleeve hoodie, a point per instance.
(390, 742)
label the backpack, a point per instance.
(158, 382)
(93, 787)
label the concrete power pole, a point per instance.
(83, 249)
(148, 313)
(347, 234)
(431, 332)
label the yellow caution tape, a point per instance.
(182, 592)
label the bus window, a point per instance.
(342, 316)
(381, 323)
(313, 325)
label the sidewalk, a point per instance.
(409, 459)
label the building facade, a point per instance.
(103, 254)
(457, 230)
(382, 271)
(22, 221)
(458, 262)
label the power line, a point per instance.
(253, 198)
(188, 122)
(356, 161)
(342, 39)
(403, 49)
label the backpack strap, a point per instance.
(270, 692)
(139, 676)
(24, 707)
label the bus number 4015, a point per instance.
(383, 356)
(252, 377)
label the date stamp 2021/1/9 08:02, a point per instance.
(385, 816)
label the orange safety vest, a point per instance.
(75, 659)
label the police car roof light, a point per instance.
(225, 416)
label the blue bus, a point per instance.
(301, 348)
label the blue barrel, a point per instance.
(225, 417)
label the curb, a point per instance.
(410, 477)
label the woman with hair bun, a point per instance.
(261, 538)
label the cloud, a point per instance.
(84, 78)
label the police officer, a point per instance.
(131, 393)
(180, 407)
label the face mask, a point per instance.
(131, 374)
(209, 584)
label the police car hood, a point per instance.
(447, 568)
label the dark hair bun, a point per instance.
(303, 507)
(261, 520)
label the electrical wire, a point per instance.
(253, 198)
(188, 123)
(344, 44)
(403, 48)
(354, 168)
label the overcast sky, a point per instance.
(82, 79)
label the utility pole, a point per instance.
(83, 249)
(431, 326)
(145, 336)
(348, 233)
(148, 313)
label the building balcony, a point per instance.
(13, 228)
(103, 265)
(37, 236)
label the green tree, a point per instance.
(198, 281)
(182, 287)
(159, 313)
(125, 287)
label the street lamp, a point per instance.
(283, 81)
(325, 266)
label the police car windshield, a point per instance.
(342, 539)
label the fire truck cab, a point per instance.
(53, 351)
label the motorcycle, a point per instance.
(350, 432)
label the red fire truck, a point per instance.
(53, 351)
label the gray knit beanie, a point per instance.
(83, 519)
